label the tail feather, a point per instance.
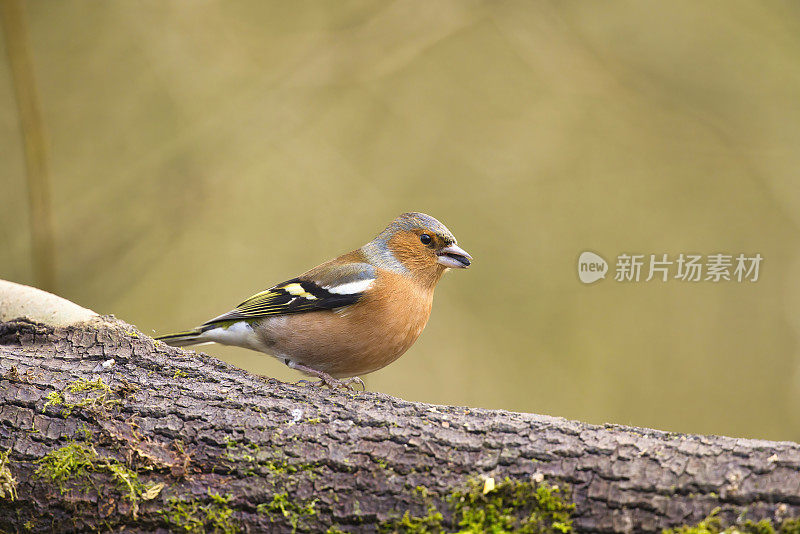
(182, 339)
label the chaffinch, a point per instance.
(351, 315)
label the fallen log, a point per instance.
(102, 427)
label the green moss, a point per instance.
(54, 398)
(184, 516)
(67, 464)
(80, 394)
(512, 506)
(8, 485)
(88, 385)
(235, 451)
(192, 516)
(509, 506)
(73, 463)
(422, 492)
(219, 514)
(713, 525)
(294, 512)
(252, 457)
(126, 479)
(432, 522)
(179, 374)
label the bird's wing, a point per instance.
(327, 287)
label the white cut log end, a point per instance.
(17, 300)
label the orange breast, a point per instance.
(359, 339)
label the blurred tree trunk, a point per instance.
(15, 30)
(163, 438)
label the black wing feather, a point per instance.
(280, 301)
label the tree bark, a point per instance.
(179, 440)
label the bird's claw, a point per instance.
(335, 383)
(355, 380)
(325, 379)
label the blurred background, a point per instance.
(198, 152)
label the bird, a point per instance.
(349, 316)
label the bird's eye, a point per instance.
(425, 239)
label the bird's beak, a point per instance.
(454, 256)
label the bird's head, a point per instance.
(417, 245)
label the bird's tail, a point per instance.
(182, 339)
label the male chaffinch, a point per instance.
(351, 315)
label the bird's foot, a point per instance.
(326, 380)
(335, 383)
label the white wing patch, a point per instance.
(350, 288)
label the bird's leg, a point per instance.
(326, 379)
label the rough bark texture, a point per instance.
(205, 428)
